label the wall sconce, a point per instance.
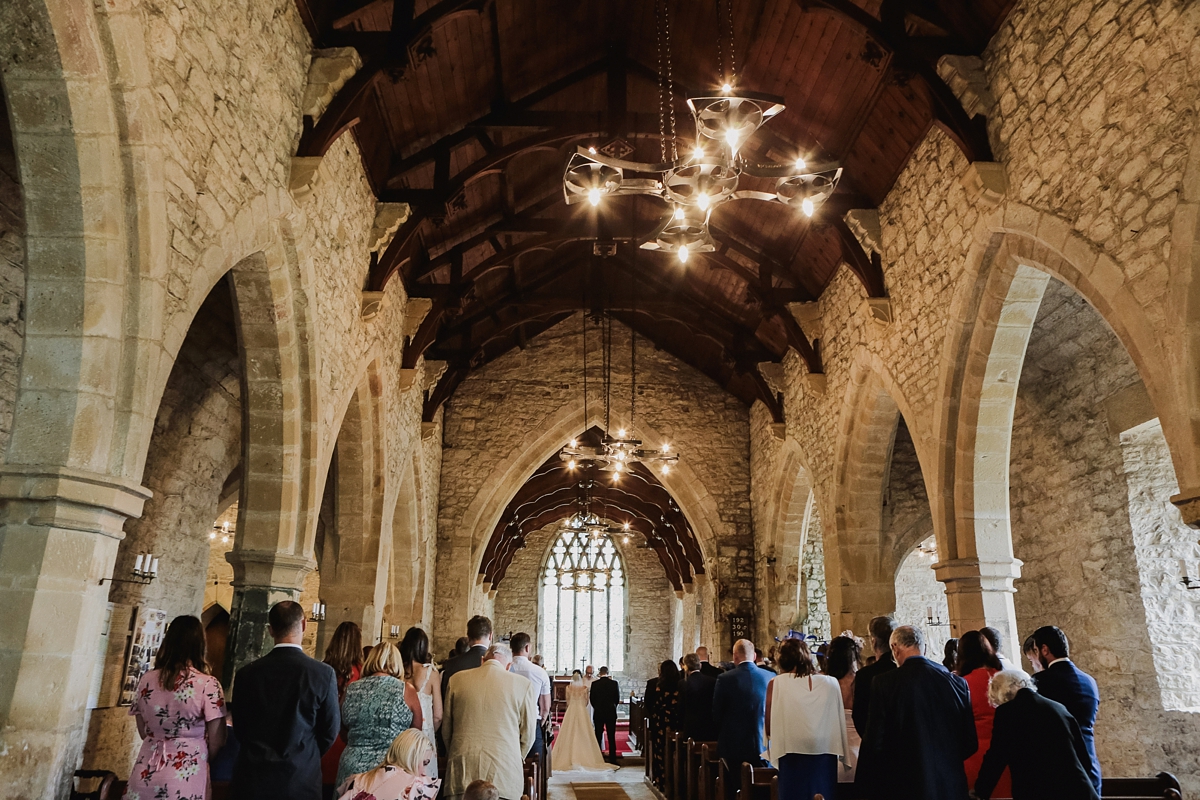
(145, 570)
(318, 612)
(931, 622)
(395, 632)
(1188, 583)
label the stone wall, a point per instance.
(1072, 527)
(12, 275)
(812, 577)
(504, 406)
(917, 591)
(650, 605)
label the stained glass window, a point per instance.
(583, 603)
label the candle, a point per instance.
(1183, 570)
(154, 568)
(137, 565)
(929, 611)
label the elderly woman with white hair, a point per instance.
(1038, 740)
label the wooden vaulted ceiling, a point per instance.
(555, 491)
(468, 109)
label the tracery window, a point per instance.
(583, 603)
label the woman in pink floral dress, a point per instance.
(180, 712)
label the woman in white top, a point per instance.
(575, 746)
(805, 726)
(420, 672)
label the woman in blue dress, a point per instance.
(378, 708)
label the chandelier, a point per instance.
(614, 454)
(694, 185)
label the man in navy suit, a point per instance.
(739, 705)
(921, 728)
(287, 715)
(1060, 680)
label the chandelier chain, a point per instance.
(659, 14)
(732, 46)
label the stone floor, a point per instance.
(631, 779)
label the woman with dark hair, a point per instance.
(842, 661)
(805, 726)
(950, 653)
(662, 703)
(976, 665)
(422, 676)
(344, 654)
(180, 713)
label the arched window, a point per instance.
(583, 603)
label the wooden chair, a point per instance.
(1163, 786)
(756, 783)
(102, 785)
(692, 758)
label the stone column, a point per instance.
(980, 593)
(859, 602)
(351, 594)
(59, 530)
(260, 580)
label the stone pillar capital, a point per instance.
(269, 569)
(70, 499)
(973, 575)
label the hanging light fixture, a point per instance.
(693, 186)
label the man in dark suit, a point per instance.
(479, 639)
(739, 703)
(1060, 680)
(881, 633)
(1038, 740)
(921, 727)
(287, 716)
(708, 669)
(696, 701)
(605, 695)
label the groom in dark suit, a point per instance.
(605, 695)
(287, 716)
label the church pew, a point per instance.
(672, 745)
(706, 788)
(648, 750)
(722, 789)
(679, 769)
(1163, 786)
(756, 783)
(693, 756)
(533, 781)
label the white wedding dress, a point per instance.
(575, 746)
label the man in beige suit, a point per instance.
(488, 722)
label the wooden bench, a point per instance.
(1163, 786)
(706, 783)
(756, 783)
(693, 754)
(648, 750)
(533, 781)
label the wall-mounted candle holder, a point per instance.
(1188, 583)
(934, 623)
(318, 613)
(145, 570)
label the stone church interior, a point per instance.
(638, 326)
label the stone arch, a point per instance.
(859, 570)
(482, 514)
(353, 573)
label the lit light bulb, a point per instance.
(800, 163)
(698, 152)
(616, 476)
(666, 446)
(225, 526)
(666, 469)
(224, 540)
(570, 465)
(807, 207)
(702, 201)
(625, 540)
(594, 196)
(679, 212)
(617, 467)
(621, 433)
(626, 526)
(726, 88)
(683, 254)
(731, 136)
(212, 535)
(592, 150)
(573, 443)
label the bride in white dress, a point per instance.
(575, 746)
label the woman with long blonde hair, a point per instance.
(401, 775)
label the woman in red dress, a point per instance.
(976, 665)
(344, 654)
